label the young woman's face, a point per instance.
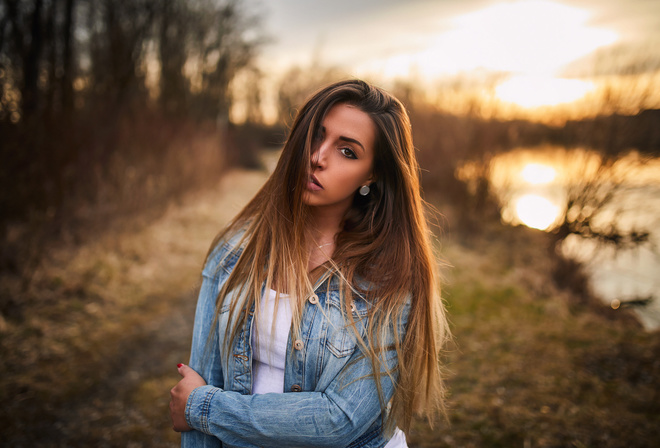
(342, 158)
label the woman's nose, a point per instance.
(319, 156)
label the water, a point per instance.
(626, 193)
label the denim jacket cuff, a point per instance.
(198, 407)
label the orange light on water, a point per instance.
(536, 211)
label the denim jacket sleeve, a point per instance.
(346, 409)
(332, 418)
(204, 358)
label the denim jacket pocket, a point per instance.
(341, 336)
(341, 342)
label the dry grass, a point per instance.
(528, 369)
(93, 357)
(92, 361)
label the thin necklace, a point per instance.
(326, 244)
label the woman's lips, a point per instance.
(314, 184)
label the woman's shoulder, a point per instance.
(225, 253)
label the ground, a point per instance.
(93, 363)
(92, 359)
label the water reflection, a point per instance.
(536, 211)
(535, 185)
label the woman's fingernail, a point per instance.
(179, 365)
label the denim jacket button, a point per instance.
(353, 308)
(314, 299)
(296, 388)
(298, 344)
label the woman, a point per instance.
(319, 321)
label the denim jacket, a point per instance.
(330, 398)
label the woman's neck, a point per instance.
(325, 223)
(324, 226)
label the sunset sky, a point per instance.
(447, 36)
(540, 45)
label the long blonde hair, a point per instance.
(384, 243)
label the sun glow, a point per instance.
(536, 211)
(537, 91)
(536, 173)
(525, 37)
(530, 40)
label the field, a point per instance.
(91, 359)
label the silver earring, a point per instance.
(364, 190)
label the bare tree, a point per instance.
(174, 39)
(119, 32)
(84, 65)
(24, 32)
(300, 82)
(597, 199)
(628, 76)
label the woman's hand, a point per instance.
(179, 396)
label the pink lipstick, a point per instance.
(313, 184)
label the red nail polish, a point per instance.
(179, 365)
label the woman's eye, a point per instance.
(347, 152)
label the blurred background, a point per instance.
(131, 131)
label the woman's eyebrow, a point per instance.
(351, 140)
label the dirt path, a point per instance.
(93, 364)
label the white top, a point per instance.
(269, 354)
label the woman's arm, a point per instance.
(204, 351)
(203, 356)
(333, 418)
